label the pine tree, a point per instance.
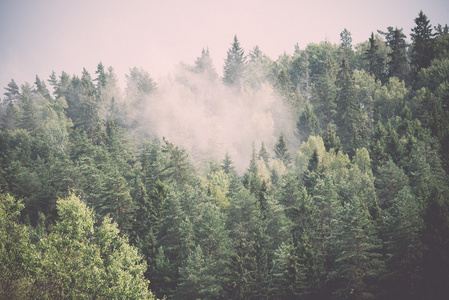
(377, 146)
(376, 62)
(12, 92)
(303, 265)
(205, 65)
(101, 78)
(244, 221)
(227, 164)
(234, 67)
(401, 230)
(346, 46)
(398, 64)
(284, 84)
(330, 139)
(28, 118)
(53, 81)
(324, 94)
(349, 119)
(356, 249)
(263, 154)
(10, 118)
(422, 43)
(307, 124)
(41, 88)
(281, 151)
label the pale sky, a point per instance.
(38, 36)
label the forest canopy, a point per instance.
(319, 175)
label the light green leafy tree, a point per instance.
(79, 260)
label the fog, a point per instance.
(208, 118)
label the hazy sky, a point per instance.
(38, 36)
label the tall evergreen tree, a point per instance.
(376, 61)
(41, 88)
(29, 113)
(263, 154)
(346, 46)
(307, 124)
(227, 164)
(422, 44)
(204, 65)
(281, 151)
(356, 249)
(349, 119)
(234, 67)
(12, 91)
(324, 94)
(330, 139)
(398, 64)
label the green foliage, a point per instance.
(390, 99)
(376, 57)
(423, 43)
(349, 122)
(307, 124)
(362, 213)
(355, 246)
(234, 67)
(398, 63)
(75, 260)
(15, 250)
(281, 151)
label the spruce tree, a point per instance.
(330, 139)
(376, 62)
(307, 124)
(263, 154)
(355, 247)
(281, 151)
(234, 67)
(12, 92)
(422, 44)
(41, 88)
(398, 64)
(349, 114)
(204, 65)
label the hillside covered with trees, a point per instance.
(343, 193)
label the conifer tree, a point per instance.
(28, 117)
(349, 118)
(227, 164)
(197, 280)
(346, 46)
(422, 43)
(263, 154)
(41, 88)
(376, 61)
(398, 64)
(234, 67)
(401, 230)
(330, 139)
(284, 84)
(324, 94)
(281, 151)
(356, 249)
(204, 65)
(307, 124)
(12, 91)
(244, 221)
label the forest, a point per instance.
(322, 174)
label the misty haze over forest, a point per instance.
(322, 174)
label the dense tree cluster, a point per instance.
(91, 206)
